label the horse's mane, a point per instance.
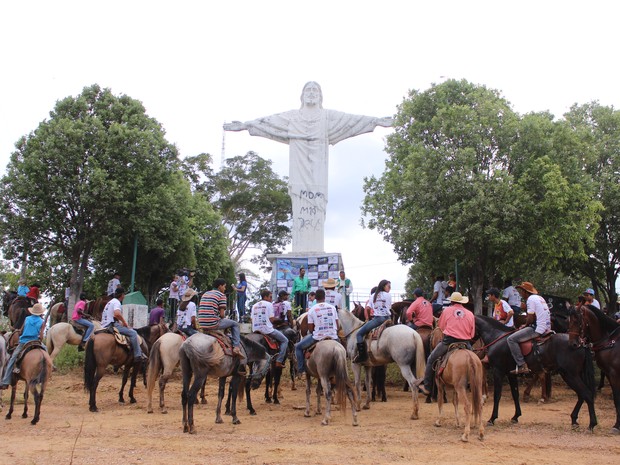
(144, 331)
(607, 323)
(492, 322)
(253, 346)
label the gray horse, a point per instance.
(398, 343)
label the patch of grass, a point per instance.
(68, 359)
(4, 324)
(393, 376)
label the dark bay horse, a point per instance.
(103, 350)
(18, 311)
(202, 355)
(35, 370)
(150, 333)
(556, 354)
(7, 298)
(589, 325)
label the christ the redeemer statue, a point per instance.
(309, 131)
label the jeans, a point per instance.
(302, 345)
(89, 328)
(241, 298)
(281, 338)
(375, 322)
(133, 338)
(235, 333)
(9, 367)
(188, 330)
(515, 338)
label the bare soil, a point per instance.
(279, 434)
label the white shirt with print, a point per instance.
(323, 316)
(107, 316)
(537, 305)
(261, 313)
(383, 304)
(333, 298)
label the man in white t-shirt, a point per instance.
(322, 324)
(590, 300)
(112, 315)
(173, 297)
(331, 296)
(114, 283)
(262, 322)
(512, 296)
(538, 312)
(439, 292)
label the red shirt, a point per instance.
(422, 312)
(458, 322)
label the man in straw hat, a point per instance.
(331, 296)
(31, 331)
(186, 314)
(458, 325)
(537, 311)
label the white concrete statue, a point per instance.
(309, 131)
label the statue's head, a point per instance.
(312, 90)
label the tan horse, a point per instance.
(35, 369)
(64, 333)
(462, 369)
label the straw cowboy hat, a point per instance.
(330, 283)
(527, 287)
(458, 297)
(37, 309)
(188, 295)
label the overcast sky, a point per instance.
(196, 64)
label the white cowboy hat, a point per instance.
(189, 294)
(458, 297)
(37, 309)
(331, 282)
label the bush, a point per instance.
(68, 359)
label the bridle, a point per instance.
(259, 375)
(582, 324)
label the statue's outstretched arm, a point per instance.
(235, 126)
(386, 121)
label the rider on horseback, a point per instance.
(32, 330)
(322, 324)
(380, 304)
(537, 311)
(458, 325)
(420, 312)
(263, 318)
(80, 318)
(112, 316)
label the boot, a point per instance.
(362, 356)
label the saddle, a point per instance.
(442, 362)
(180, 333)
(77, 327)
(376, 333)
(31, 345)
(272, 343)
(527, 346)
(222, 338)
(121, 339)
(309, 350)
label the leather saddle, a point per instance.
(272, 343)
(222, 338)
(120, 339)
(376, 333)
(78, 328)
(442, 362)
(30, 345)
(527, 346)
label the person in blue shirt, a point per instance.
(241, 288)
(31, 331)
(22, 289)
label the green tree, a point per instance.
(95, 170)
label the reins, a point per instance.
(485, 347)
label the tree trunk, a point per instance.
(477, 284)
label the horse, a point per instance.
(589, 325)
(58, 313)
(574, 365)
(64, 333)
(398, 343)
(463, 368)
(7, 298)
(4, 359)
(202, 355)
(163, 359)
(328, 362)
(94, 308)
(18, 311)
(150, 333)
(35, 370)
(103, 350)
(275, 373)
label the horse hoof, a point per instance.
(355, 423)
(203, 401)
(219, 421)
(8, 417)
(465, 438)
(253, 413)
(414, 416)
(307, 415)
(366, 407)
(267, 401)
(236, 421)
(324, 423)
(149, 410)
(93, 409)
(122, 402)
(437, 424)
(615, 430)
(428, 400)
(276, 402)
(490, 423)
(294, 388)
(185, 428)
(541, 401)
(514, 420)
(132, 401)
(575, 426)
(164, 412)
(192, 430)
(24, 415)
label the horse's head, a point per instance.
(576, 326)
(261, 367)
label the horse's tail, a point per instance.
(241, 388)
(342, 379)
(587, 375)
(90, 365)
(475, 383)
(43, 375)
(155, 365)
(420, 356)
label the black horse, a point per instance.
(556, 354)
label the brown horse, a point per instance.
(94, 308)
(18, 311)
(462, 369)
(150, 333)
(103, 350)
(35, 370)
(587, 324)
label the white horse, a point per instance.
(328, 363)
(398, 343)
(64, 333)
(163, 359)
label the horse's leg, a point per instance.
(13, 392)
(121, 396)
(455, 404)
(601, 383)
(615, 390)
(203, 396)
(351, 396)
(185, 368)
(268, 383)
(368, 372)
(163, 380)
(25, 414)
(461, 392)
(38, 398)
(220, 397)
(528, 388)
(497, 395)
(548, 385)
(514, 389)
(583, 394)
(319, 393)
(192, 396)
(248, 390)
(308, 394)
(134, 375)
(410, 378)
(92, 402)
(327, 387)
(234, 384)
(276, 385)
(440, 397)
(292, 365)
(228, 399)
(357, 374)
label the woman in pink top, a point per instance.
(458, 325)
(80, 318)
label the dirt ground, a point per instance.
(279, 434)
